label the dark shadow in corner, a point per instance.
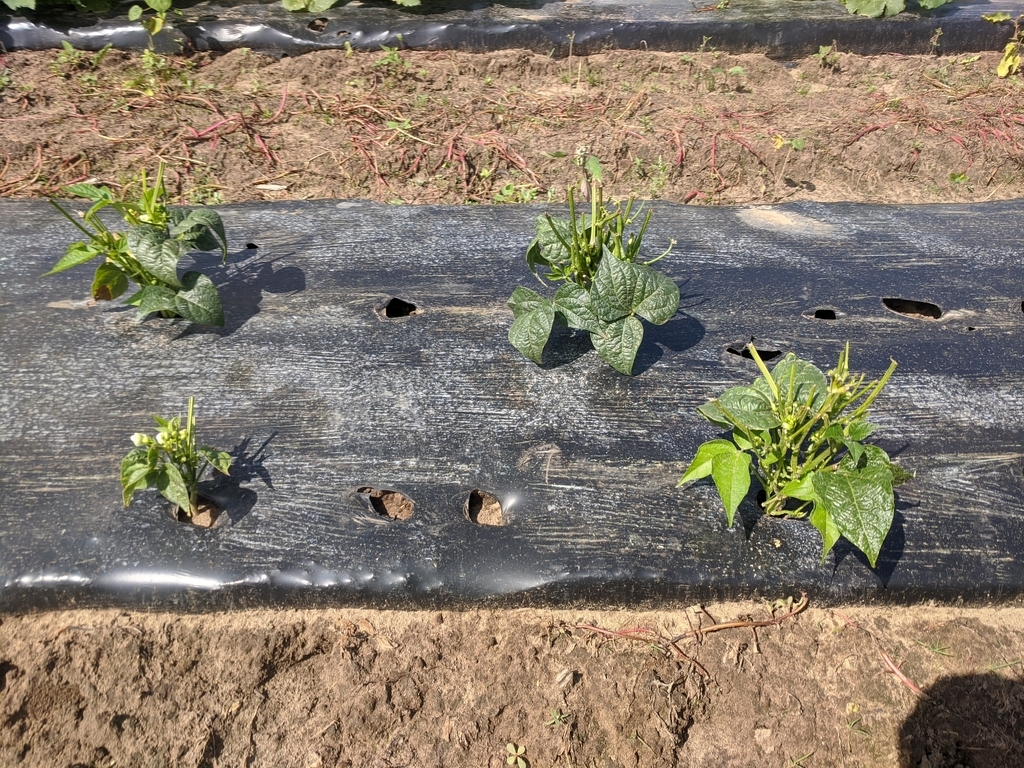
(228, 492)
(974, 721)
(241, 285)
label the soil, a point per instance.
(919, 687)
(448, 127)
(207, 516)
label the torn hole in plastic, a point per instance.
(483, 508)
(740, 349)
(821, 313)
(923, 310)
(318, 25)
(388, 503)
(395, 307)
(341, 33)
(251, 246)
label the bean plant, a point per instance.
(801, 435)
(605, 289)
(149, 252)
(171, 462)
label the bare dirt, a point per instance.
(446, 127)
(919, 687)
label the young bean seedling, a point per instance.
(604, 291)
(171, 462)
(148, 253)
(801, 435)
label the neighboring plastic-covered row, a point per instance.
(782, 29)
(391, 447)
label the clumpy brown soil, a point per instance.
(447, 127)
(920, 687)
(573, 688)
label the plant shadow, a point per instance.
(967, 720)
(565, 345)
(241, 284)
(680, 333)
(246, 465)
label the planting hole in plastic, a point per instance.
(741, 350)
(821, 313)
(398, 308)
(206, 517)
(387, 503)
(484, 508)
(923, 310)
(318, 25)
(251, 246)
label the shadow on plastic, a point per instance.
(227, 492)
(241, 284)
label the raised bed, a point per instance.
(320, 394)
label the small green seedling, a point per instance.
(148, 253)
(558, 717)
(605, 290)
(516, 756)
(171, 462)
(801, 435)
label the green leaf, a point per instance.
(135, 13)
(153, 298)
(700, 467)
(997, 17)
(805, 380)
(219, 460)
(623, 288)
(822, 520)
(523, 301)
(135, 470)
(90, 192)
(551, 248)
(109, 282)
(532, 327)
(875, 8)
(15, 5)
(871, 456)
(931, 5)
(172, 485)
(856, 450)
(197, 226)
(77, 253)
(156, 252)
(573, 303)
(661, 297)
(198, 300)
(714, 414)
(294, 5)
(317, 6)
(160, 6)
(593, 167)
(861, 504)
(731, 473)
(618, 342)
(748, 407)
